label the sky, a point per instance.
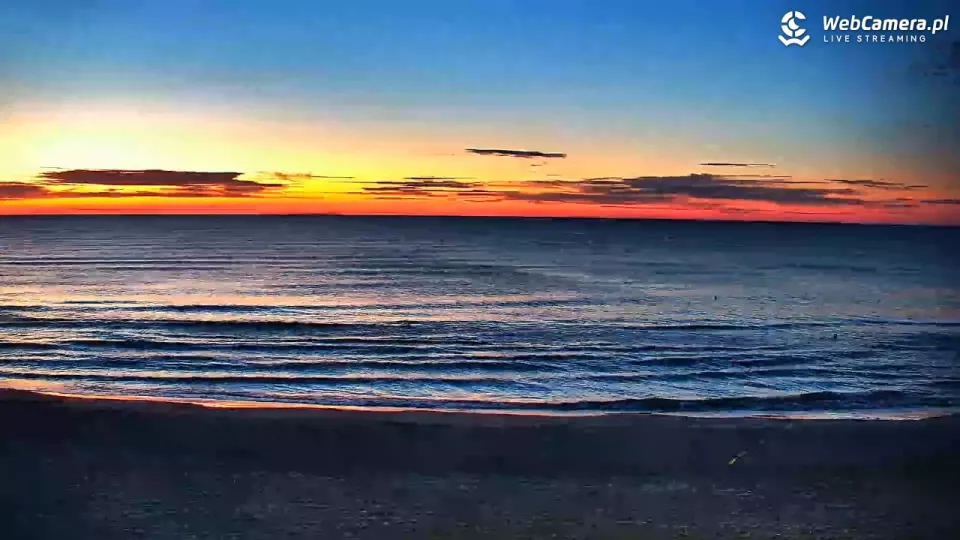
(593, 108)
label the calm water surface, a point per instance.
(553, 316)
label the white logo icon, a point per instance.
(792, 30)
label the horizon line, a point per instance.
(460, 216)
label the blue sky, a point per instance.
(507, 57)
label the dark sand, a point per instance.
(91, 469)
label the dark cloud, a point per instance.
(424, 186)
(616, 191)
(19, 190)
(764, 176)
(299, 177)
(878, 184)
(117, 177)
(735, 164)
(430, 178)
(942, 201)
(522, 154)
(894, 204)
(645, 189)
(612, 198)
(736, 211)
(166, 183)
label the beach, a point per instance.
(98, 469)
(383, 270)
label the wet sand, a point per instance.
(100, 469)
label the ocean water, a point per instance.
(520, 315)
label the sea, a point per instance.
(529, 316)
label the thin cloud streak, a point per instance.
(521, 154)
(430, 178)
(735, 164)
(299, 177)
(878, 184)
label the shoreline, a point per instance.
(95, 468)
(890, 414)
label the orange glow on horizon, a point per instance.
(360, 205)
(345, 159)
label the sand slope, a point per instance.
(92, 469)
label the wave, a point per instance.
(107, 306)
(412, 365)
(185, 378)
(903, 322)
(289, 324)
(407, 350)
(773, 360)
(728, 327)
(822, 267)
(151, 345)
(832, 401)
(401, 348)
(314, 343)
(247, 325)
(923, 341)
(294, 375)
(138, 344)
(720, 356)
(25, 346)
(828, 399)
(757, 374)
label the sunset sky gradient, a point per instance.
(611, 108)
